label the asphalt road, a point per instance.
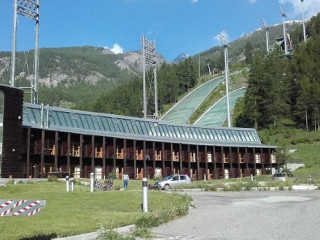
(248, 215)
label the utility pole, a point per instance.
(199, 66)
(226, 66)
(144, 78)
(14, 41)
(149, 60)
(28, 9)
(264, 24)
(284, 30)
(303, 23)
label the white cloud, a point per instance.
(194, 1)
(116, 49)
(221, 35)
(311, 7)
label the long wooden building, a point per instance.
(39, 140)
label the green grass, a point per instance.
(81, 211)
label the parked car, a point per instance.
(172, 180)
(282, 176)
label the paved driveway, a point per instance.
(248, 215)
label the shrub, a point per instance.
(52, 178)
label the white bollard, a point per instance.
(144, 195)
(67, 183)
(91, 181)
(251, 177)
(205, 177)
(72, 184)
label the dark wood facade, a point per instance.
(67, 142)
(12, 144)
(52, 152)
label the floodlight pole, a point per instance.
(149, 60)
(284, 31)
(199, 66)
(303, 23)
(28, 9)
(156, 114)
(36, 60)
(226, 64)
(267, 33)
(14, 41)
(144, 78)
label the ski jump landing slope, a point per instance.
(182, 110)
(217, 114)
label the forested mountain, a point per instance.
(255, 41)
(74, 74)
(94, 79)
(173, 81)
(285, 90)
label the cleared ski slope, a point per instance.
(217, 114)
(182, 111)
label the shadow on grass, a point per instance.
(40, 237)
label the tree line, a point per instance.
(173, 80)
(284, 90)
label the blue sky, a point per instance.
(177, 26)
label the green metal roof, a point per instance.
(90, 123)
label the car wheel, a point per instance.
(166, 187)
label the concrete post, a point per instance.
(67, 183)
(91, 181)
(144, 195)
(72, 184)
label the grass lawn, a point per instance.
(81, 211)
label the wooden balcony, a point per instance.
(119, 153)
(157, 156)
(225, 158)
(139, 154)
(98, 152)
(192, 157)
(175, 156)
(241, 158)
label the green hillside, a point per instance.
(68, 75)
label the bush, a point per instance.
(52, 178)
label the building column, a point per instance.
(254, 161)
(135, 158)
(215, 171)
(104, 157)
(246, 161)
(56, 148)
(198, 163)
(68, 152)
(81, 156)
(189, 163)
(230, 155)
(28, 152)
(124, 156)
(239, 164)
(222, 162)
(114, 155)
(180, 158)
(145, 174)
(163, 157)
(171, 159)
(43, 136)
(154, 158)
(206, 160)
